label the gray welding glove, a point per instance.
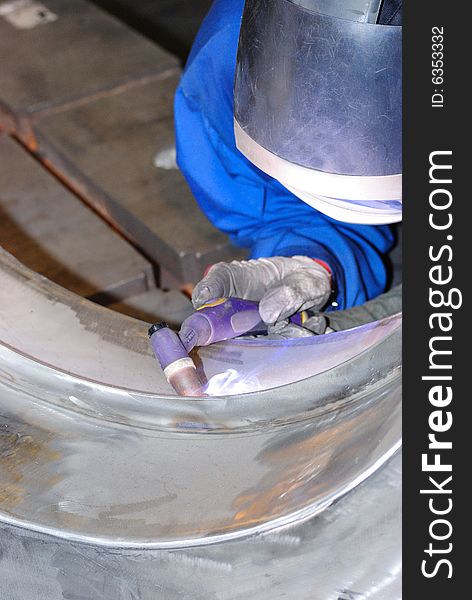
(282, 285)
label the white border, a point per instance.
(329, 186)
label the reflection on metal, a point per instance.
(95, 448)
(320, 91)
(318, 104)
(350, 551)
(363, 11)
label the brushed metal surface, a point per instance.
(350, 551)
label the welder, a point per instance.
(288, 131)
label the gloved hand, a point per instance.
(282, 285)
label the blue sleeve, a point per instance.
(239, 199)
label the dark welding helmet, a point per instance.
(318, 102)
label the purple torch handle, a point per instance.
(221, 319)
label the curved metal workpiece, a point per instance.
(350, 551)
(95, 448)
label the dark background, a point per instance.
(172, 24)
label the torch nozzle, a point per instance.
(178, 367)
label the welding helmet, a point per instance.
(317, 102)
